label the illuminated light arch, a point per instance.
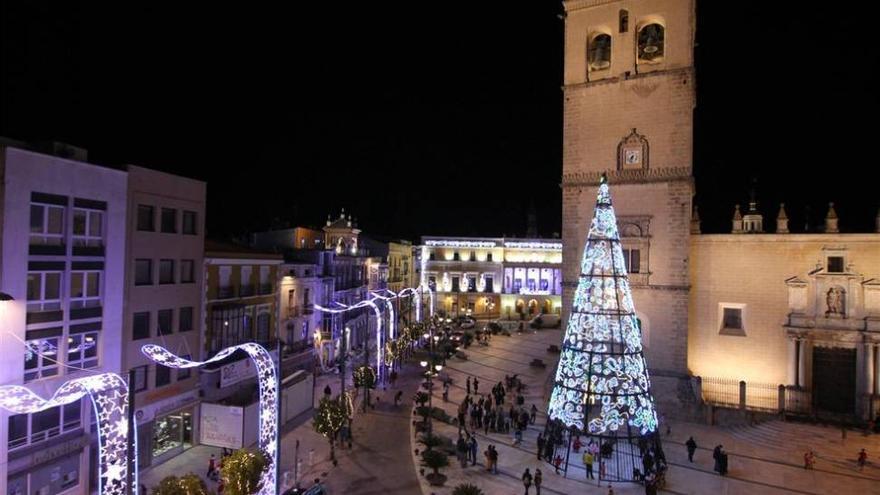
(268, 385)
(108, 393)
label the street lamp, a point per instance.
(430, 372)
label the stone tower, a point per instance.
(629, 97)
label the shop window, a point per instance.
(145, 218)
(189, 222)
(85, 289)
(169, 220)
(82, 350)
(40, 358)
(47, 224)
(141, 326)
(43, 291)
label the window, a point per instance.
(600, 52)
(169, 220)
(184, 373)
(455, 256)
(187, 271)
(40, 357)
(143, 272)
(651, 43)
(71, 416)
(166, 319)
(432, 283)
(263, 319)
(47, 224)
(34, 428)
(471, 283)
(432, 257)
(45, 424)
(140, 378)
(186, 319)
(623, 21)
(835, 264)
(225, 288)
(145, 218)
(88, 227)
(85, 289)
(265, 284)
(489, 284)
(454, 284)
(489, 256)
(43, 291)
(732, 319)
(166, 271)
(163, 375)
(473, 256)
(141, 326)
(189, 222)
(82, 350)
(632, 260)
(18, 430)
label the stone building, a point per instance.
(799, 310)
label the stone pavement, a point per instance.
(770, 466)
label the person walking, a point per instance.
(534, 414)
(468, 384)
(539, 478)
(527, 480)
(691, 448)
(488, 455)
(476, 386)
(494, 453)
(398, 396)
(588, 464)
(540, 442)
(472, 444)
(327, 391)
(862, 460)
(557, 462)
(716, 455)
(446, 391)
(461, 451)
(212, 467)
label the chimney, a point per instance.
(782, 220)
(831, 220)
(737, 221)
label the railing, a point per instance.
(762, 397)
(226, 292)
(753, 396)
(798, 400)
(720, 391)
(308, 309)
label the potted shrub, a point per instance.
(467, 489)
(435, 459)
(243, 471)
(189, 484)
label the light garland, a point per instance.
(555, 246)
(108, 393)
(461, 244)
(268, 386)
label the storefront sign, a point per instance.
(150, 411)
(222, 426)
(239, 371)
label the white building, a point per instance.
(63, 260)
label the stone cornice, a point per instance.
(582, 179)
(671, 72)
(572, 5)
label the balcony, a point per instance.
(246, 290)
(308, 309)
(225, 292)
(294, 311)
(265, 289)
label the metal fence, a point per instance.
(722, 392)
(762, 397)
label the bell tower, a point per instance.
(629, 97)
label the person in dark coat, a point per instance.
(691, 447)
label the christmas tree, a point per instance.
(602, 388)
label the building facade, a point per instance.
(493, 277)
(62, 259)
(163, 302)
(770, 309)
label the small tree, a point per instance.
(435, 460)
(189, 484)
(421, 398)
(467, 489)
(329, 418)
(429, 440)
(242, 472)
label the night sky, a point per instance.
(428, 118)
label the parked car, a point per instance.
(545, 321)
(466, 321)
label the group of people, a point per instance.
(720, 457)
(466, 450)
(215, 469)
(528, 480)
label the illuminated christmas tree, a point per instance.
(602, 390)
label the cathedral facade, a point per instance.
(799, 310)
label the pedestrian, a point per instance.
(473, 450)
(212, 467)
(468, 383)
(557, 462)
(863, 459)
(327, 391)
(527, 480)
(397, 397)
(540, 445)
(808, 460)
(716, 455)
(843, 433)
(534, 414)
(461, 451)
(539, 478)
(488, 455)
(445, 391)
(577, 444)
(476, 386)
(588, 464)
(691, 448)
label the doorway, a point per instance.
(834, 379)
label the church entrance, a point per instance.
(834, 380)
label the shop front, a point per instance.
(167, 428)
(56, 469)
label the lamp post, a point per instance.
(430, 370)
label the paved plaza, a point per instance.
(764, 459)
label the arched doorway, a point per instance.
(520, 306)
(533, 307)
(548, 306)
